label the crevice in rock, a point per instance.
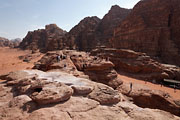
(69, 114)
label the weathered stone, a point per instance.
(147, 98)
(50, 93)
(9, 43)
(46, 39)
(105, 95)
(138, 64)
(152, 28)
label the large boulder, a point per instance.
(105, 95)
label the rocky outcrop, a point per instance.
(147, 98)
(152, 28)
(79, 63)
(82, 36)
(139, 64)
(9, 43)
(86, 35)
(53, 87)
(109, 22)
(46, 39)
(76, 107)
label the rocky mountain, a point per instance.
(9, 43)
(86, 35)
(109, 22)
(82, 36)
(152, 27)
(46, 39)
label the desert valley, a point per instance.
(125, 66)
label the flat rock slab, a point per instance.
(105, 94)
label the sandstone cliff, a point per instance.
(153, 28)
(82, 36)
(46, 39)
(109, 22)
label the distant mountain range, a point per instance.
(4, 42)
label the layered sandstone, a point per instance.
(152, 28)
(138, 64)
(109, 22)
(82, 36)
(50, 95)
(80, 64)
(46, 39)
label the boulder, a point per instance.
(105, 95)
(50, 93)
(147, 98)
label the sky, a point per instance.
(17, 17)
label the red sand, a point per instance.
(175, 94)
(9, 61)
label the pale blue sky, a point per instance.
(20, 16)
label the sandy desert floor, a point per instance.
(9, 61)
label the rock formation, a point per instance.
(80, 64)
(34, 94)
(152, 28)
(109, 22)
(139, 64)
(46, 39)
(86, 35)
(82, 36)
(147, 98)
(9, 43)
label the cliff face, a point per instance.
(152, 27)
(109, 22)
(46, 39)
(82, 36)
(92, 31)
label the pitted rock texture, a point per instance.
(152, 28)
(138, 64)
(54, 87)
(76, 107)
(50, 93)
